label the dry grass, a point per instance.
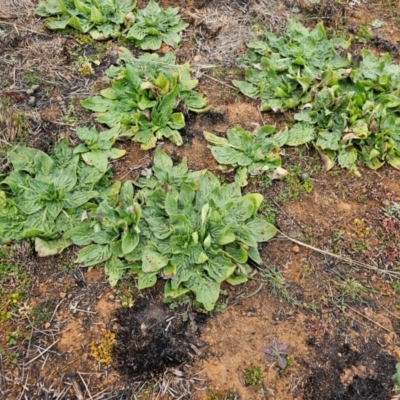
(221, 33)
(13, 8)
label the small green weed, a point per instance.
(278, 284)
(13, 338)
(294, 186)
(221, 395)
(364, 33)
(31, 78)
(12, 358)
(41, 313)
(350, 289)
(396, 286)
(253, 376)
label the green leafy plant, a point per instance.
(153, 26)
(46, 195)
(253, 376)
(349, 111)
(277, 352)
(98, 147)
(110, 235)
(396, 379)
(282, 71)
(194, 232)
(252, 153)
(150, 94)
(101, 18)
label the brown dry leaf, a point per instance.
(165, 48)
(349, 136)
(326, 161)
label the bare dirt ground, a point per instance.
(333, 301)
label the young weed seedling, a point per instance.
(277, 352)
(253, 376)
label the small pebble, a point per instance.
(111, 297)
(63, 295)
(305, 176)
(295, 249)
(47, 325)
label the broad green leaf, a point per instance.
(347, 158)
(146, 280)
(80, 235)
(152, 260)
(237, 279)
(206, 290)
(46, 248)
(114, 268)
(216, 140)
(174, 293)
(300, 133)
(219, 268)
(94, 254)
(261, 230)
(76, 199)
(129, 241)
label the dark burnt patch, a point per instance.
(152, 338)
(343, 371)
(189, 131)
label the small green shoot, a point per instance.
(279, 286)
(350, 289)
(253, 376)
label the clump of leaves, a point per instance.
(150, 94)
(102, 351)
(98, 147)
(349, 111)
(251, 153)
(45, 195)
(194, 232)
(253, 376)
(101, 18)
(277, 352)
(153, 26)
(111, 234)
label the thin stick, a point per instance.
(23, 28)
(84, 383)
(366, 317)
(217, 80)
(349, 260)
(55, 310)
(44, 351)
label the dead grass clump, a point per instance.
(221, 33)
